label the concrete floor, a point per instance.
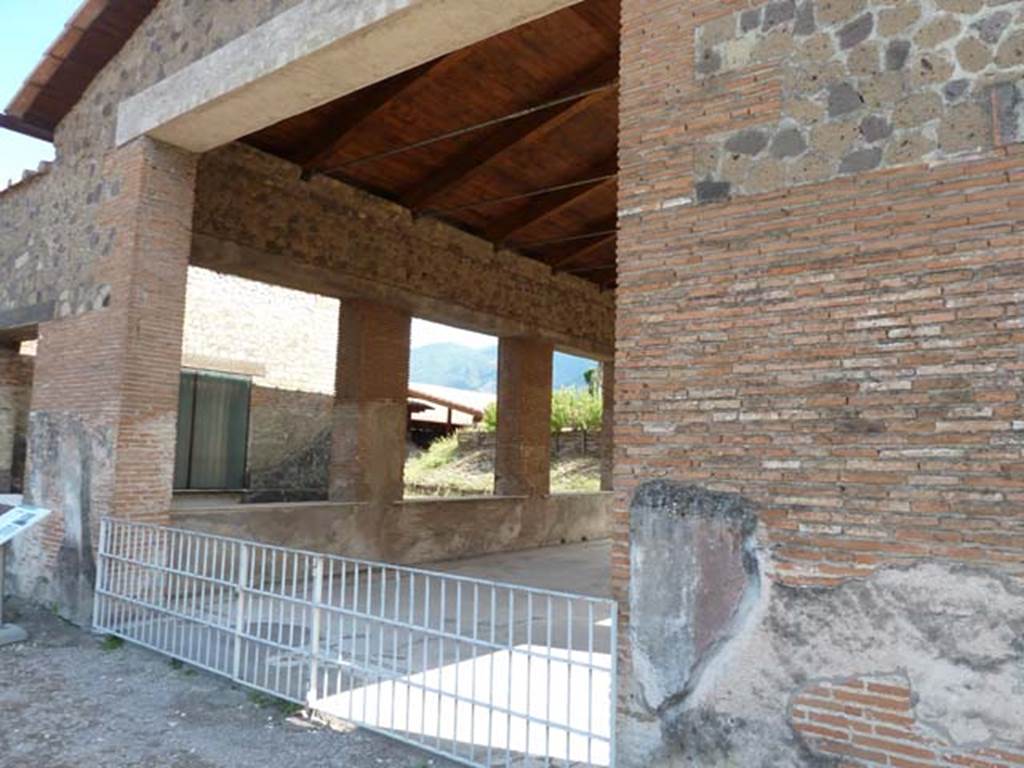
(581, 568)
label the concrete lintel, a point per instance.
(306, 56)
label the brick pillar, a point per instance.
(370, 410)
(607, 424)
(522, 457)
(105, 389)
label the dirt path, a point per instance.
(67, 700)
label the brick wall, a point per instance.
(841, 348)
(105, 391)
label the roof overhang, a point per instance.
(89, 40)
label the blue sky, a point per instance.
(29, 26)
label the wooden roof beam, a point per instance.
(543, 207)
(559, 265)
(530, 128)
(322, 154)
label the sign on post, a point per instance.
(14, 519)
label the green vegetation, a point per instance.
(111, 643)
(576, 409)
(285, 707)
(571, 408)
(444, 470)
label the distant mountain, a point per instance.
(476, 368)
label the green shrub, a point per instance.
(490, 420)
(441, 452)
(578, 409)
(571, 408)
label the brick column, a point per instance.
(607, 424)
(370, 407)
(105, 389)
(522, 458)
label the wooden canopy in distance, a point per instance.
(513, 139)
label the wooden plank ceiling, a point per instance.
(513, 139)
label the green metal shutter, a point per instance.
(213, 428)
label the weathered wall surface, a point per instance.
(289, 443)
(824, 319)
(917, 665)
(417, 531)
(256, 218)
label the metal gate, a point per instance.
(484, 673)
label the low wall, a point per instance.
(416, 531)
(564, 445)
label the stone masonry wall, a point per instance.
(256, 218)
(864, 84)
(839, 351)
(289, 444)
(50, 237)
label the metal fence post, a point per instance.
(314, 630)
(242, 582)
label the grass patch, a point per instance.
(111, 643)
(283, 706)
(444, 470)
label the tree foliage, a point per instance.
(571, 409)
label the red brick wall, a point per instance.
(873, 721)
(104, 398)
(847, 354)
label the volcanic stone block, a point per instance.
(875, 128)
(892, 21)
(692, 572)
(956, 88)
(750, 20)
(709, 61)
(896, 54)
(789, 142)
(749, 142)
(836, 11)
(991, 28)
(778, 13)
(843, 98)
(857, 31)
(861, 160)
(1008, 116)
(710, 191)
(805, 22)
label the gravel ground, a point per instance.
(67, 700)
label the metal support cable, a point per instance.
(612, 85)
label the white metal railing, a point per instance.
(485, 673)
